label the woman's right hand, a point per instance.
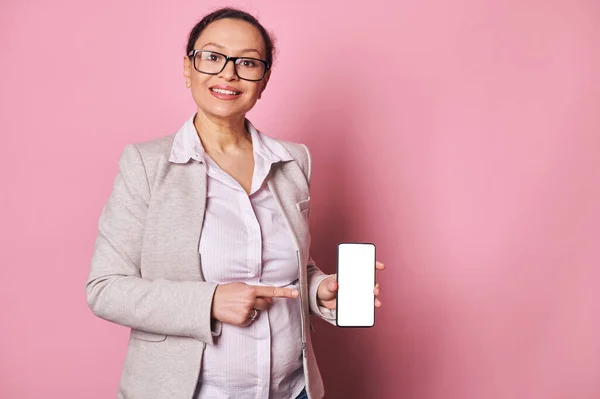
(234, 303)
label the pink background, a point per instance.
(462, 137)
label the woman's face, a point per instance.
(233, 38)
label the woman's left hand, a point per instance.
(327, 292)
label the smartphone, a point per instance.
(356, 281)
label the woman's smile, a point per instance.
(223, 92)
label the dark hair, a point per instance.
(232, 13)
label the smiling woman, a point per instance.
(203, 246)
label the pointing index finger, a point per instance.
(276, 292)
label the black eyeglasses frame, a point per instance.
(192, 57)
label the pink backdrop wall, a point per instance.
(463, 138)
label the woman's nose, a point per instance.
(229, 71)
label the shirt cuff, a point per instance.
(321, 311)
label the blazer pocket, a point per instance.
(147, 336)
(303, 205)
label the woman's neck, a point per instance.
(221, 135)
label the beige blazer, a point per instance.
(146, 273)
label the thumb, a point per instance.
(328, 288)
(333, 285)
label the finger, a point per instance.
(275, 292)
(248, 320)
(246, 323)
(379, 265)
(377, 291)
(261, 304)
(378, 303)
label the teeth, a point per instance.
(222, 91)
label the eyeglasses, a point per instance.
(213, 63)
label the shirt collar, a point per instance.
(187, 145)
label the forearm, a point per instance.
(160, 306)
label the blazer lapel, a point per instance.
(179, 205)
(288, 185)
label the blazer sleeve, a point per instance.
(115, 289)
(315, 275)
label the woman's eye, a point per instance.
(248, 63)
(212, 57)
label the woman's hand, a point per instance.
(327, 291)
(234, 303)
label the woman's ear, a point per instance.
(187, 71)
(264, 83)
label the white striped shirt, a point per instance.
(245, 238)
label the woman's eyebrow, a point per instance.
(213, 44)
(220, 46)
(249, 50)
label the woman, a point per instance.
(203, 245)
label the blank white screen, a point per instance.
(356, 278)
